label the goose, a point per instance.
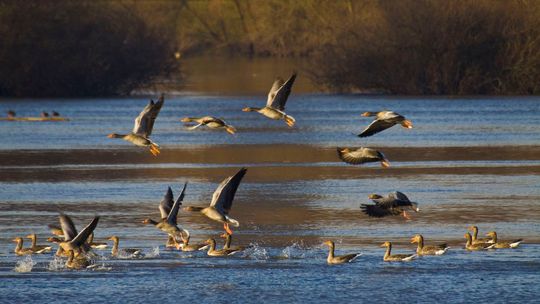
(475, 239)
(144, 123)
(228, 240)
(169, 215)
(55, 114)
(393, 204)
(212, 251)
(501, 245)
(476, 247)
(56, 230)
(383, 121)
(76, 262)
(44, 114)
(388, 257)
(209, 121)
(19, 250)
(358, 156)
(128, 252)
(187, 247)
(98, 245)
(275, 104)
(11, 114)
(338, 259)
(222, 200)
(171, 242)
(428, 250)
(38, 248)
(73, 240)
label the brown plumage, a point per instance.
(383, 121)
(211, 122)
(358, 156)
(475, 247)
(338, 259)
(503, 244)
(421, 249)
(389, 257)
(212, 251)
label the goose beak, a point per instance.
(407, 124)
(246, 110)
(110, 136)
(385, 163)
(365, 114)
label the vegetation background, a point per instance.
(100, 48)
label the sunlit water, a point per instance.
(285, 210)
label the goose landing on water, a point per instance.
(277, 98)
(384, 120)
(144, 123)
(394, 204)
(209, 121)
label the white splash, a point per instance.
(256, 252)
(56, 264)
(294, 251)
(153, 254)
(25, 265)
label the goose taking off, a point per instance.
(209, 121)
(169, 213)
(498, 244)
(384, 120)
(222, 200)
(357, 156)
(73, 240)
(338, 259)
(144, 123)
(275, 104)
(389, 257)
(78, 262)
(393, 204)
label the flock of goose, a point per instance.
(77, 246)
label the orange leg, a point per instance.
(405, 215)
(226, 227)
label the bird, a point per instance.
(76, 262)
(361, 155)
(339, 259)
(124, 252)
(19, 250)
(144, 123)
(169, 214)
(228, 240)
(388, 257)
(55, 114)
(56, 230)
(73, 240)
(393, 204)
(11, 114)
(503, 244)
(171, 242)
(98, 245)
(475, 247)
(212, 251)
(475, 239)
(38, 248)
(275, 104)
(187, 247)
(222, 200)
(44, 114)
(211, 122)
(383, 121)
(428, 250)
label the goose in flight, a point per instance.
(222, 200)
(275, 104)
(393, 204)
(209, 121)
(73, 240)
(144, 123)
(383, 121)
(169, 213)
(357, 156)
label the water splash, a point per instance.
(294, 251)
(25, 265)
(153, 254)
(256, 252)
(56, 264)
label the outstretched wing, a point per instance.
(83, 235)
(375, 127)
(355, 157)
(68, 228)
(173, 214)
(401, 196)
(387, 202)
(224, 194)
(378, 211)
(166, 203)
(278, 97)
(144, 123)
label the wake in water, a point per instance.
(25, 265)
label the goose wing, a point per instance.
(85, 233)
(378, 211)
(166, 203)
(173, 214)
(356, 157)
(144, 123)
(224, 194)
(375, 127)
(278, 95)
(400, 196)
(68, 228)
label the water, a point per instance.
(466, 161)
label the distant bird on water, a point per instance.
(394, 204)
(11, 114)
(357, 156)
(209, 121)
(44, 114)
(275, 104)
(383, 121)
(144, 123)
(55, 114)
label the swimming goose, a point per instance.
(339, 259)
(78, 262)
(73, 240)
(98, 245)
(144, 123)
(11, 114)
(169, 215)
(210, 122)
(475, 239)
(222, 200)
(212, 251)
(357, 156)
(384, 120)
(393, 204)
(500, 244)
(228, 240)
(130, 252)
(187, 247)
(44, 114)
(478, 246)
(38, 248)
(275, 104)
(19, 250)
(428, 250)
(388, 257)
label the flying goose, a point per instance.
(73, 240)
(384, 120)
(144, 123)
(428, 250)
(388, 257)
(502, 244)
(275, 104)
(209, 121)
(338, 259)
(169, 214)
(357, 156)
(393, 204)
(222, 201)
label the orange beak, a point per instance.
(365, 114)
(407, 124)
(110, 136)
(385, 163)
